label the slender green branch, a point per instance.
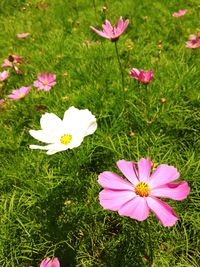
(120, 65)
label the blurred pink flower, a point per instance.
(180, 13)
(19, 94)
(141, 75)
(45, 81)
(138, 196)
(22, 35)
(194, 41)
(4, 75)
(50, 263)
(112, 32)
(2, 101)
(12, 60)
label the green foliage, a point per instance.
(49, 204)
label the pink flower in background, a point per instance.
(12, 60)
(138, 196)
(4, 75)
(19, 94)
(112, 32)
(49, 263)
(2, 101)
(22, 35)
(194, 41)
(45, 81)
(180, 13)
(141, 75)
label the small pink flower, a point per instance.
(194, 41)
(19, 94)
(22, 35)
(2, 101)
(45, 81)
(50, 263)
(180, 13)
(141, 75)
(4, 75)
(12, 60)
(112, 32)
(138, 196)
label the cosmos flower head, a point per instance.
(23, 35)
(112, 32)
(141, 75)
(193, 42)
(20, 93)
(49, 263)
(45, 81)
(179, 13)
(4, 75)
(12, 61)
(139, 195)
(64, 134)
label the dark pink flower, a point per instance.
(12, 60)
(112, 32)
(19, 94)
(138, 196)
(45, 81)
(180, 13)
(4, 75)
(141, 75)
(22, 35)
(194, 41)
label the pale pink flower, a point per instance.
(4, 75)
(2, 101)
(138, 196)
(141, 75)
(194, 41)
(20, 93)
(12, 60)
(45, 81)
(112, 32)
(179, 13)
(22, 35)
(49, 263)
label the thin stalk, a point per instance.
(120, 66)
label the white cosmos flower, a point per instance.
(64, 134)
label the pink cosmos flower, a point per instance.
(141, 75)
(49, 263)
(194, 41)
(136, 197)
(12, 60)
(180, 13)
(112, 32)
(45, 81)
(19, 94)
(22, 35)
(4, 75)
(2, 101)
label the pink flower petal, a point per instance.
(128, 170)
(102, 34)
(144, 169)
(113, 181)
(163, 175)
(176, 191)
(136, 209)
(162, 211)
(114, 199)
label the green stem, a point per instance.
(120, 65)
(150, 245)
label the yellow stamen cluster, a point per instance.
(21, 95)
(45, 83)
(142, 189)
(66, 139)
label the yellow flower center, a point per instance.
(21, 95)
(66, 139)
(142, 189)
(45, 83)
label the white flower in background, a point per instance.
(64, 134)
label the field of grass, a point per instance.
(49, 204)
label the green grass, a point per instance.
(49, 204)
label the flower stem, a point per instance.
(120, 65)
(150, 245)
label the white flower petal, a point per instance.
(42, 136)
(39, 147)
(51, 124)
